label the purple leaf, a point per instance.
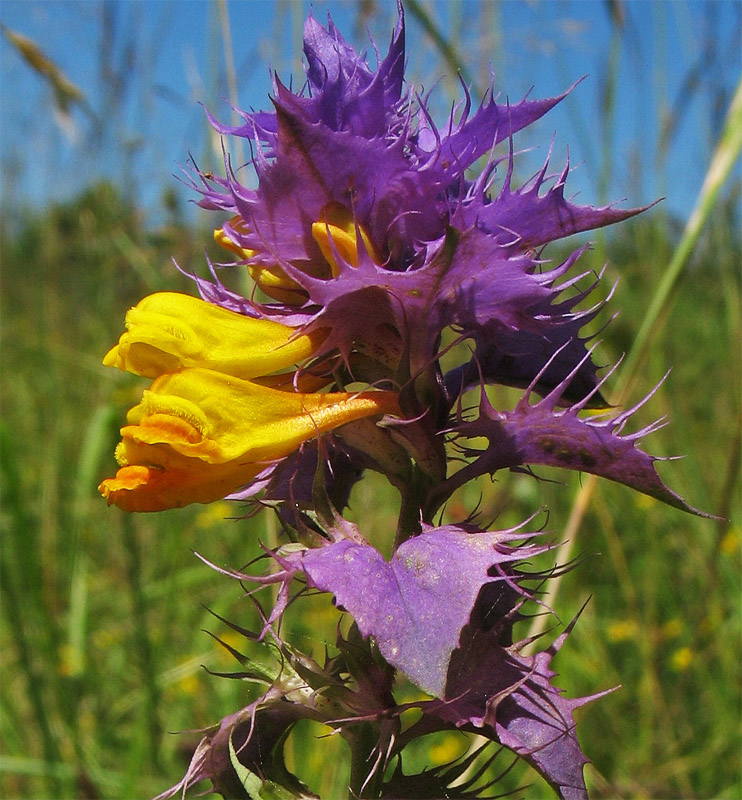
(289, 482)
(255, 732)
(490, 125)
(545, 353)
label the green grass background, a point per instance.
(103, 615)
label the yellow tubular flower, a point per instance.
(276, 283)
(337, 224)
(336, 229)
(168, 331)
(215, 414)
(199, 435)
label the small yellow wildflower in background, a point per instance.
(644, 502)
(214, 514)
(732, 541)
(189, 684)
(623, 630)
(71, 661)
(447, 749)
(681, 659)
(231, 638)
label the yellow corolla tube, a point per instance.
(199, 435)
(221, 237)
(169, 331)
(270, 278)
(337, 225)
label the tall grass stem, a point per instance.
(422, 15)
(226, 31)
(142, 642)
(722, 161)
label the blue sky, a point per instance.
(146, 66)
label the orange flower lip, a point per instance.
(140, 488)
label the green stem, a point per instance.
(409, 520)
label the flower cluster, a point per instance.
(373, 251)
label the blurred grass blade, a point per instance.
(20, 569)
(65, 92)
(725, 156)
(150, 729)
(138, 259)
(95, 446)
(609, 91)
(74, 654)
(23, 765)
(422, 15)
(20, 765)
(226, 32)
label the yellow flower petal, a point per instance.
(338, 226)
(199, 435)
(221, 238)
(274, 282)
(218, 418)
(167, 332)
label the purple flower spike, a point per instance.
(416, 605)
(373, 246)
